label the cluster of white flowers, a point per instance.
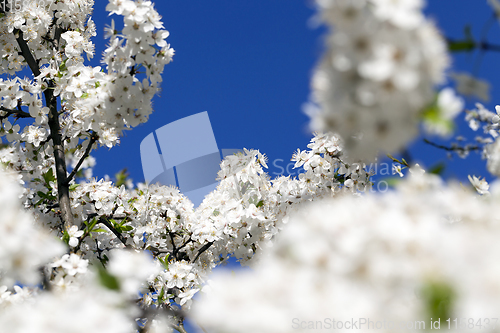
(88, 310)
(384, 257)
(383, 59)
(102, 103)
(319, 243)
(488, 144)
(25, 248)
(240, 218)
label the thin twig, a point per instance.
(159, 251)
(486, 47)
(202, 249)
(451, 148)
(87, 232)
(93, 139)
(185, 243)
(122, 239)
(180, 328)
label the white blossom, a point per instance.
(382, 61)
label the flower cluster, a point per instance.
(25, 247)
(348, 255)
(487, 144)
(136, 257)
(377, 75)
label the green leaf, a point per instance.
(107, 280)
(66, 237)
(126, 228)
(464, 45)
(392, 181)
(438, 298)
(99, 230)
(461, 46)
(49, 176)
(46, 196)
(164, 261)
(62, 67)
(73, 187)
(39, 202)
(160, 296)
(260, 204)
(121, 177)
(437, 169)
(434, 116)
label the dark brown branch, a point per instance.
(185, 243)
(158, 251)
(16, 113)
(469, 45)
(202, 249)
(122, 239)
(93, 139)
(60, 159)
(57, 36)
(87, 232)
(488, 46)
(45, 279)
(114, 216)
(451, 148)
(173, 242)
(25, 50)
(55, 132)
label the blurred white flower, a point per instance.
(481, 185)
(133, 269)
(468, 85)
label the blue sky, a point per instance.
(248, 63)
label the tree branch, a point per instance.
(60, 158)
(158, 251)
(25, 50)
(462, 149)
(55, 132)
(122, 239)
(185, 243)
(202, 249)
(16, 113)
(180, 328)
(93, 139)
